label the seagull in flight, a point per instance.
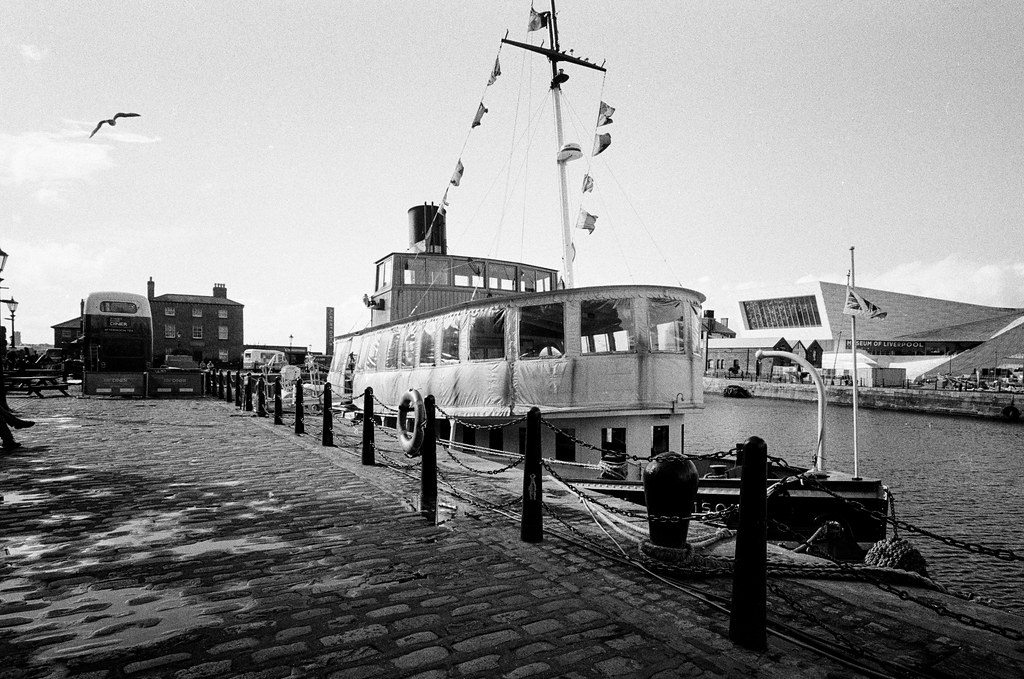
(113, 121)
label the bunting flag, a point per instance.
(588, 183)
(538, 20)
(604, 114)
(586, 221)
(479, 115)
(457, 177)
(601, 142)
(495, 72)
(858, 306)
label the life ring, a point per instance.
(412, 415)
(1011, 413)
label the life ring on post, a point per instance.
(412, 416)
(1010, 412)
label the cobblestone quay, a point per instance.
(186, 539)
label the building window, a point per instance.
(222, 332)
(222, 355)
(197, 332)
(222, 313)
(783, 312)
(168, 311)
(67, 334)
(170, 332)
(197, 312)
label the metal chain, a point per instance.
(799, 608)
(515, 463)
(469, 425)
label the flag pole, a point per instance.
(853, 339)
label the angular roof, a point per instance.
(746, 342)
(1004, 349)
(195, 299)
(75, 322)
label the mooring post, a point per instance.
(261, 397)
(369, 455)
(531, 525)
(238, 389)
(748, 620)
(428, 464)
(300, 414)
(227, 387)
(327, 438)
(278, 406)
(220, 384)
(670, 491)
(248, 393)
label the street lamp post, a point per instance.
(12, 305)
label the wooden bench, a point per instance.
(36, 384)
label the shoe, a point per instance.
(11, 445)
(22, 424)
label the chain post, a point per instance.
(278, 406)
(428, 463)
(261, 397)
(227, 388)
(327, 437)
(248, 393)
(531, 525)
(368, 445)
(749, 616)
(300, 413)
(238, 389)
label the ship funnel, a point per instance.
(427, 230)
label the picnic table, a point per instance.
(35, 382)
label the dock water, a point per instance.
(186, 538)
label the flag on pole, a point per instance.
(588, 183)
(538, 20)
(858, 306)
(601, 142)
(481, 110)
(604, 114)
(495, 72)
(457, 177)
(586, 221)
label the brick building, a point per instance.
(206, 328)
(65, 334)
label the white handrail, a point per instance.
(819, 460)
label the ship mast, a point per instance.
(558, 76)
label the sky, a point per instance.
(279, 147)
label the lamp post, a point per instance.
(12, 305)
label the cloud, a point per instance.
(34, 53)
(958, 278)
(41, 157)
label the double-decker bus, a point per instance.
(118, 342)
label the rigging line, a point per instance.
(465, 142)
(643, 224)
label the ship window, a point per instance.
(606, 325)
(409, 347)
(695, 329)
(437, 271)
(565, 448)
(544, 282)
(427, 345)
(659, 439)
(527, 280)
(542, 331)
(415, 272)
(384, 274)
(487, 335)
(501, 277)
(372, 347)
(450, 341)
(391, 357)
(667, 325)
(340, 358)
(613, 440)
(468, 274)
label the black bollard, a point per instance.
(748, 619)
(238, 389)
(369, 455)
(327, 438)
(248, 393)
(428, 465)
(277, 401)
(220, 384)
(300, 414)
(531, 525)
(670, 490)
(261, 397)
(227, 387)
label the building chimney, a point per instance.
(151, 288)
(220, 290)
